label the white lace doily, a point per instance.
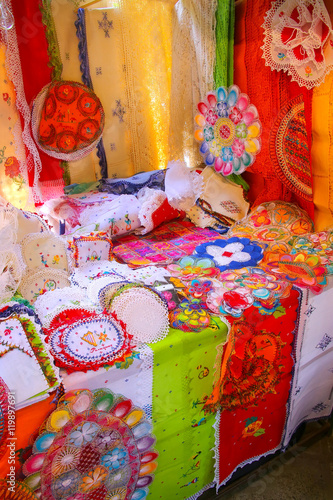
(144, 313)
(299, 40)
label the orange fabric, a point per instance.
(27, 423)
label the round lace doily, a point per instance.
(144, 313)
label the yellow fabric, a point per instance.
(13, 177)
(322, 153)
(64, 16)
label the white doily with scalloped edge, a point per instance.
(299, 40)
(182, 186)
(144, 313)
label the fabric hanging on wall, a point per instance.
(193, 60)
(44, 172)
(13, 172)
(311, 391)
(253, 391)
(280, 171)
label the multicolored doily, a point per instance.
(67, 120)
(233, 253)
(17, 491)
(228, 130)
(143, 311)
(81, 339)
(3, 416)
(94, 446)
(241, 288)
(274, 223)
(299, 40)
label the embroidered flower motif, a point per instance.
(199, 288)
(84, 434)
(261, 219)
(231, 118)
(211, 117)
(107, 439)
(209, 133)
(115, 459)
(238, 148)
(235, 115)
(241, 131)
(93, 479)
(227, 154)
(222, 109)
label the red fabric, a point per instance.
(269, 91)
(254, 386)
(36, 70)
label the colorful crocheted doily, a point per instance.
(94, 446)
(67, 120)
(228, 130)
(299, 40)
(289, 149)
